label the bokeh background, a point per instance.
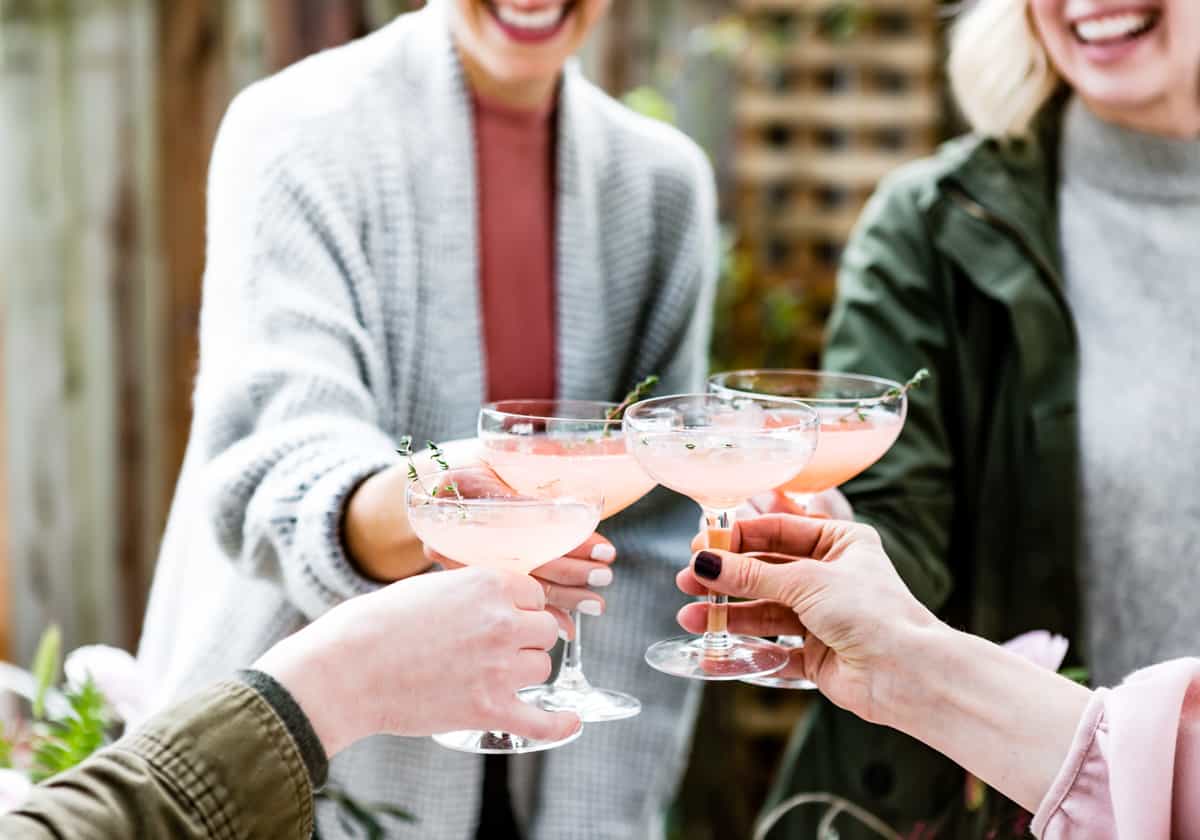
(108, 109)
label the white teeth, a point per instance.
(1115, 26)
(541, 19)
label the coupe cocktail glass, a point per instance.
(571, 445)
(720, 452)
(859, 424)
(473, 518)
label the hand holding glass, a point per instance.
(571, 445)
(472, 517)
(859, 424)
(720, 452)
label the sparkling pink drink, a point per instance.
(517, 536)
(848, 444)
(534, 465)
(720, 471)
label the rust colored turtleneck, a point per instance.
(515, 156)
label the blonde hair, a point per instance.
(999, 71)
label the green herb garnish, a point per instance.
(891, 395)
(438, 456)
(638, 394)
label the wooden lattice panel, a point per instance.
(824, 111)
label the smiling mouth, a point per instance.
(1116, 28)
(536, 23)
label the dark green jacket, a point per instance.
(955, 267)
(229, 764)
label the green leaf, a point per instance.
(363, 819)
(640, 392)
(46, 664)
(649, 102)
(59, 745)
(1079, 675)
(841, 21)
(6, 750)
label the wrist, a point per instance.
(295, 720)
(915, 673)
(375, 532)
(297, 664)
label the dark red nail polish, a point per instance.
(708, 565)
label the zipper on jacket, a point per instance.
(978, 211)
(983, 214)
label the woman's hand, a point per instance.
(566, 580)
(375, 529)
(432, 654)
(831, 504)
(827, 580)
(378, 538)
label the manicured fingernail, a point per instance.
(708, 565)
(591, 607)
(603, 552)
(600, 577)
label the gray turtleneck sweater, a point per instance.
(1129, 210)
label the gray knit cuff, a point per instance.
(296, 722)
(320, 536)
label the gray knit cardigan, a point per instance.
(341, 310)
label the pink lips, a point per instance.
(1117, 49)
(530, 36)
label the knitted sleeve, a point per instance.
(293, 382)
(676, 341)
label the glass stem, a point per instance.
(570, 671)
(719, 527)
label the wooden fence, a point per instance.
(108, 109)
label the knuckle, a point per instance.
(541, 666)
(746, 575)
(547, 636)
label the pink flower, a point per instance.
(14, 790)
(1041, 648)
(116, 674)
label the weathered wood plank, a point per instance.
(78, 247)
(299, 28)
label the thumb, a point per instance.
(532, 722)
(743, 576)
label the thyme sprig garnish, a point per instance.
(438, 456)
(890, 395)
(639, 393)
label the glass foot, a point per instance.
(793, 644)
(593, 705)
(746, 656)
(486, 742)
(782, 682)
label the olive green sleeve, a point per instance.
(889, 320)
(220, 765)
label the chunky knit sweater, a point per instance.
(1129, 223)
(341, 310)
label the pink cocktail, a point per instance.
(861, 417)
(515, 537)
(600, 463)
(569, 446)
(848, 445)
(472, 517)
(720, 452)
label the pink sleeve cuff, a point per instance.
(1083, 769)
(1135, 748)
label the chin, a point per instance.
(1125, 91)
(514, 70)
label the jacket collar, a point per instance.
(1016, 182)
